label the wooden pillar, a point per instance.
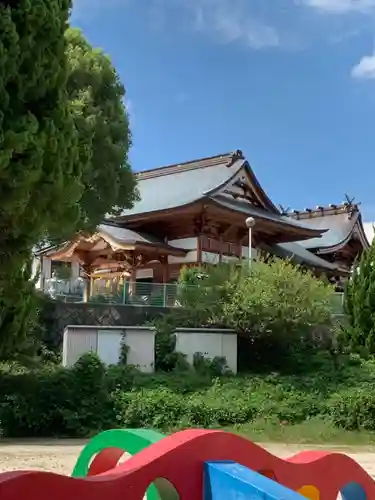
(161, 271)
(165, 269)
(86, 289)
(132, 280)
(87, 282)
(199, 249)
(221, 244)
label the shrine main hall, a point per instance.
(195, 213)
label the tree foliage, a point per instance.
(97, 98)
(19, 315)
(40, 179)
(39, 174)
(359, 304)
(272, 299)
(280, 312)
(64, 140)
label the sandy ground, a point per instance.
(60, 455)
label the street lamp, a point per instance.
(250, 223)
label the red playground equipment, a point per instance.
(200, 464)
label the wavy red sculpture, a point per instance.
(180, 459)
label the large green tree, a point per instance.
(97, 97)
(359, 304)
(39, 172)
(40, 177)
(64, 141)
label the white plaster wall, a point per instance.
(46, 268)
(109, 345)
(141, 344)
(36, 268)
(187, 244)
(210, 345)
(191, 256)
(75, 270)
(210, 258)
(214, 258)
(245, 252)
(106, 342)
(229, 349)
(144, 273)
(78, 341)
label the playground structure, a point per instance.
(194, 464)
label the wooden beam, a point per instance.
(170, 213)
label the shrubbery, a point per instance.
(90, 397)
(272, 299)
(275, 309)
(281, 312)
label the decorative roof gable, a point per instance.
(343, 222)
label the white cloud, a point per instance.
(231, 21)
(365, 69)
(340, 6)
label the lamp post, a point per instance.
(250, 223)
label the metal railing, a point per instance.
(114, 292)
(137, 293)
(67, 290)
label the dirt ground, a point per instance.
(60, 455)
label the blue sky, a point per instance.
(289, 82)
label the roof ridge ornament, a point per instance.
(238, 154)
(350, 205)
(283, 210)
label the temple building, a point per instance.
(194, 213)
(345, 238)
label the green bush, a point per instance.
(273, 297)
(166, 358)
(355, 409)
(56, 401)
(280, 300)
(280, 311)
(89, 397)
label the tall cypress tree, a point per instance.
(39, 181)
(39, 177)
(359, 303)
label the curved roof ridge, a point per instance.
(250, 210)
(262, 195)
(300, 254)
(116, 235)
(340, 228)
(324, 211)
(208, 161)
